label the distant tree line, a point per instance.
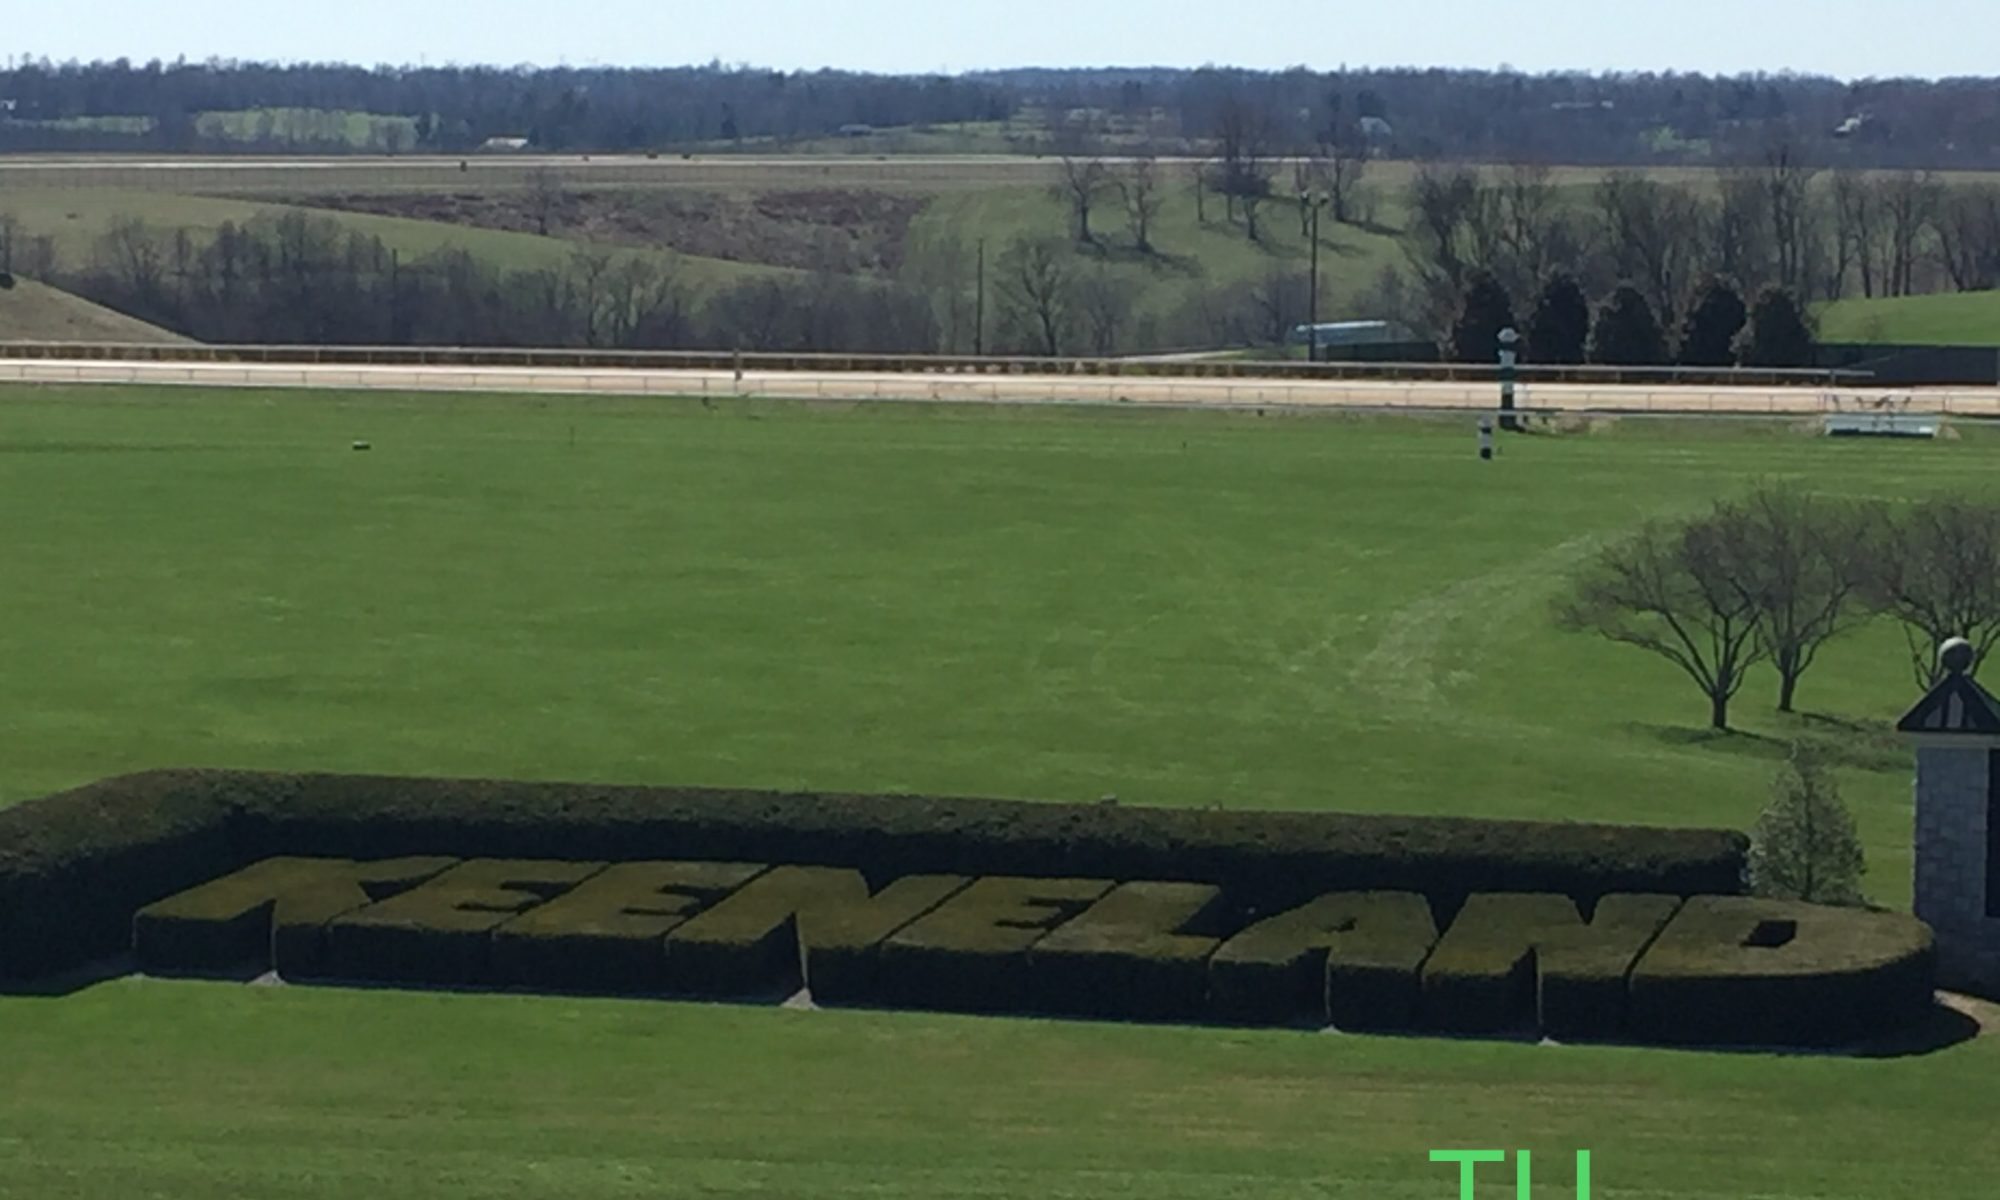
(1773, 578)
(1610, 119)
(305, 278)
(1656, 249)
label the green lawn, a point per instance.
(1180, 608)
(1949, 318)
(359, 129)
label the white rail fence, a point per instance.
(1395, 395)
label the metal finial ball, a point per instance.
(1956, 655)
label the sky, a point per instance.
(1849, 39)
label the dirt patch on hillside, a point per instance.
(827, 229)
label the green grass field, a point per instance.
(1950, 318)
(1180, 608)
(34, 312)
(358, 129)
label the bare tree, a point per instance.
(1651, 233)
(1104, 300)
(10, 233)
(1531, 232)
(1934, 566)
(1281, 300)
(1802, 566)
(1083, 182)
(132, 252)
(1968, 233)
(1245, 127)
(1792, 218)
(1346, 157)
(1739, 239)
(1679, 592)
(638, 295)
(1857, 226)
(589, 279)
(1139, 187)
(1910, 204)
(1440, 236)
(1037, 291)
(548, 193)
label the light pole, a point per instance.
(1312, 201)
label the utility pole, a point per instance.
(1312, 302)
(979, 305)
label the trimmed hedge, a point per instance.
(440, 931)
(608, 933)
(793, 927)
(76, 866)
(970, 954)
(271, 914)
(1733, 970)
(1265, 861)
(1532, 962)
(1131, 954)
(1349, 959)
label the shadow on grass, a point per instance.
(1856, 743)
(1942, 1028)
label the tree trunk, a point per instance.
(1788, 686)
(1718, 712)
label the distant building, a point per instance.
(1375, 129)
(856, 130)
(1583, 106)
(1351, 333)
(504, 145)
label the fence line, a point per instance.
(1383, 395)
(925, 364)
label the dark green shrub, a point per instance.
(1349, 959)
(1521, 961)
(608, 933)
(439, 932)
(802, 926)
(75, 866)
(1266, 861)
(1743, 971)
(1130, 955)
(272, 910)
(970, 954)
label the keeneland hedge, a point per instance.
(958, 904)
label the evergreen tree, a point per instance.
(1778, 333)
(1708, 339)
(1627, 334)
(1487, 309)
(1559, 332)
(1805, 846)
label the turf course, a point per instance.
(1179, 608)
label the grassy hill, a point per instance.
(34, 312)
(78, 218)
(1952, 318)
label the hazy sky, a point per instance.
(1847, 38)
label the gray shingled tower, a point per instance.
(1956, 731)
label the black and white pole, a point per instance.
(1508, 358)
(1485, 438)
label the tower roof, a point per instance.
(1957, 705)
